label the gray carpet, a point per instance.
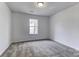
(45, 48)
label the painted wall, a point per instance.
(5, 19)
(65, 27)
(21, 27)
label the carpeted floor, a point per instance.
(45, 48)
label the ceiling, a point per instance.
(28, 7)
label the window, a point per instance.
(33, 26)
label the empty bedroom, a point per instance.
(39, 29)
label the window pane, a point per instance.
(36, 30)
(36, 22)
(31, 30)
(31, 22)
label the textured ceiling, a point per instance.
(28, 7)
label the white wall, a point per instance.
(21, 29)
(5, 16)
(65, 27)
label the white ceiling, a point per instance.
(28, 7)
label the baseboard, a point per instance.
(31, 41)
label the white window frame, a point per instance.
(32, 25)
